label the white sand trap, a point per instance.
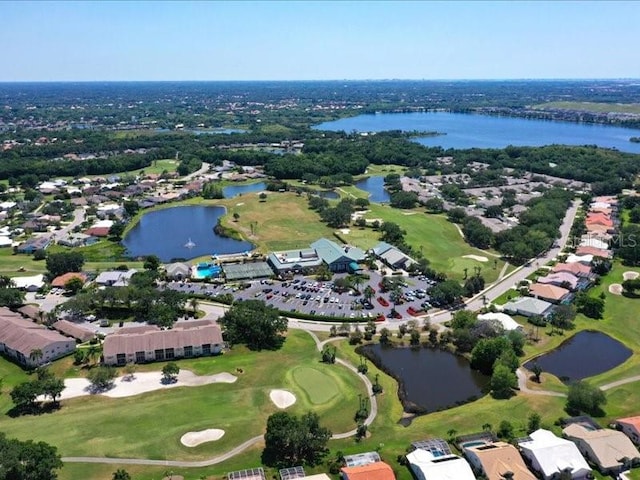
(142, 382)
(345, 231)
(282, 398)
(239, 204)
(193, 439)
(477, 258)
(630, 275)
(615, 288)
(409, 213)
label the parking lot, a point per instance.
(309, 296)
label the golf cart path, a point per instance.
(522, 384)
(243, 446)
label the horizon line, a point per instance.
(545, 79)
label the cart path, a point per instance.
(245, 445)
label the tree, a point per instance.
(434, 205)
(64, 262)
(101, 378)
(131, 207)
(193, 303)
(487, 351)
(585, 398)
(562, 317)
(505, 430)
(463, 319)
(24, 395)
(291, 440)
(170, 372)
(368, 293)
(117, 230)
(446, 293)
(236, 216)
(35, 356)
(73, 285)
(28, 460)
(255, 324)
(503, 381)
(392, 233)
(121, 474)
(384, 336)
(533, 422)
(151, 263)
(52, 387)
(591, 307)
(536, 369)
(262, 197)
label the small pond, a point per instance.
(584, 355)
(430, 379)
(180, 232)
(375, 187)
(235, 190)
(328, 194)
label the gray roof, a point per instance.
(295, 259)
(528, 304)
(24, 335)
(116, 278)
(331, 252)
(239, 271)
(177, 268)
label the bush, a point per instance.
(585, 398)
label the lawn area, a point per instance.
(373, 169)
(130, 427)
(12, 264)
(281, 222)
(437, 238)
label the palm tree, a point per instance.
(35, 356)
(94, 353)
(465, 273)
(486, 427)
(368, 293)
(193, 303)
(452, 434)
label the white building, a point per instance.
(426, 466)
(549, 455)
(505, 320)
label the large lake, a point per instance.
(430, 379)
(465, 130)
(166, 232)
(583, 355)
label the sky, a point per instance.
(323, 40)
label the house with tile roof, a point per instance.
(494, 460)
(577, 269)
(61, 280)
(630, 426)
(550, 455)
(564, 279)
(550, 293)
(608, 449)
(372, 471)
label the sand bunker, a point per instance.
(141, 383)
(239, 204)
(345, 231)
(477, 258)
(282, 398)
(615, 288)
(630, 275)
(193, 439)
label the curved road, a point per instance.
(243, 446)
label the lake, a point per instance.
(375, 187)
(166, 232)
(235, 190)
(584, 355)
(465, 130)
(430, 379)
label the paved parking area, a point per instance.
(307, 295)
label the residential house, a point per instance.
(565, 280)
(188, 339)
(71, 329)
(115, 278)
(550, 293)
(496, 459)
(630, 426)
(426, 466)
(77, 240)
(589, 241)
(584, 259)
(596, 252)
(372, 471)
(577, 269)
(30, 311)
(34, 244)
(30, 284)
(550, 455)
(528, 307)
(506, 322)
(61, 280)
(247, 474)
(20, 337)
(606, 448)
(392, 256)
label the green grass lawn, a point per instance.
(437, 239)
(318, 387)
(150, 425)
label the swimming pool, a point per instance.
(205, 270)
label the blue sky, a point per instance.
(296, 40)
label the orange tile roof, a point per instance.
(633, 421)
(373, 471)
(548, 292)
(577, 269)
(61, 280)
